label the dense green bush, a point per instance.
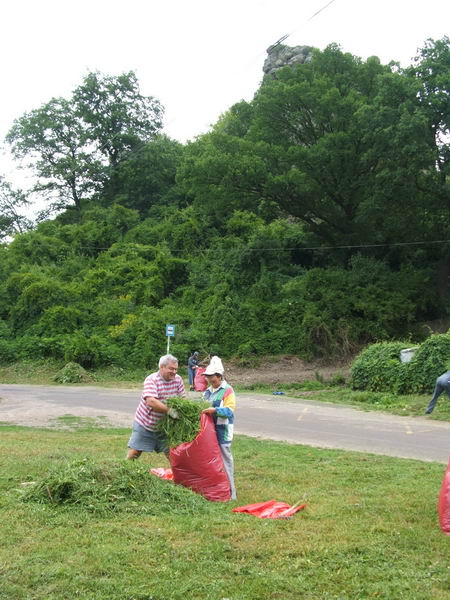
(34, 346)
(91, 351)
(379, 369)
(431, 360)
(8, 351)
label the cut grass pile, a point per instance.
(112, 486)
(187, 426)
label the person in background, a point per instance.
(442, 385)
(223, 404)
(192, 366)
(159, 386)
(200, 383)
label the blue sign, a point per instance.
(170, 330)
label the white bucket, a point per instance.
(407, 354)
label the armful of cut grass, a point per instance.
(187, 426)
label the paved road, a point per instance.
(298, 421)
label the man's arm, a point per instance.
(156, 404)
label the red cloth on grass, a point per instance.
(163, 473)
(269, 510)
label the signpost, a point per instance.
(170, 332)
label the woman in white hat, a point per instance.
(223, 404)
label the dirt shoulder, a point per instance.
(285, 369)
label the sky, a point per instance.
(197, 57)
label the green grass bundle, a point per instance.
(112, 486)
(187, 426)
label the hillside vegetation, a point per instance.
(311, 221)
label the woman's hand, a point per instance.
(209, 411)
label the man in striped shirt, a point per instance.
(159, 386)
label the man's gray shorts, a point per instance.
(147, 441)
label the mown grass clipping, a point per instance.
(187, 426)
(110, 486)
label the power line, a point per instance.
(320, 10)
(284, 37)
(299, 248)
(387, 245)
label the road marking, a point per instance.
(300, 417)
(408, 431)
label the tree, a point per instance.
(11, 201)
(334, 142)
(145, 176)
(55, 140)
(431, 69)
(72, 145)
(118, 117)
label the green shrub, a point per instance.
(34, 346)
(337, 379)
(91, 351)
(8, 351)
(58, 320)
(431, 360)
(378, 368)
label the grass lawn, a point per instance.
(370, 529)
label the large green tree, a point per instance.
(431, 69)
(72, 145)
(335, 142)
(118, 117)
(53, 140)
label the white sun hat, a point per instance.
(215, 366)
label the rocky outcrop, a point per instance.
(279, 56)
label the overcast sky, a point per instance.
(198, 57)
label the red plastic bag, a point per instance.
(198, 464)
(270, 509)
(444, 502)
(163, 473)
(200, 383)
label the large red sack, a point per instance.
(444, 502)
(200, 383)
(198, 464)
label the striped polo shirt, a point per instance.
(159, 388)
